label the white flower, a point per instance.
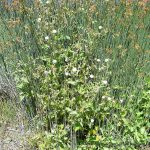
(109, 98)
(121, 100)
(52, 131)
(92, 120)
(39, 20)
(132, 96)
(67, 73)
(66, 59)
(47, 72)
(54, 31)
(103, 97)
(91, 76)
(101, 68)
(54, 61)
(105, 82)
(47, 38)
(100, 27)
(98, 60)
(106, 60)
(74, 69)
(47, 2)
(41, 1)
(82, 9)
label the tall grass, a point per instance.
(80, 69)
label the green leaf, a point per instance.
(125, 121)
(68, 109)
(77, 126)
(105, 148)
(142, 130)
(24, 79)
(67, 37)
(72, 82)
(73, 113)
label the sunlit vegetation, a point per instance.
(81, 70)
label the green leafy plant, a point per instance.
(80, 69)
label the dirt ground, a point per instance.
(13, 138)
(13, 128)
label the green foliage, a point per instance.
(80, 66)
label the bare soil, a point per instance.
(13, 129)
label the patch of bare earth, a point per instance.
(13, 132)
(146, 148)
